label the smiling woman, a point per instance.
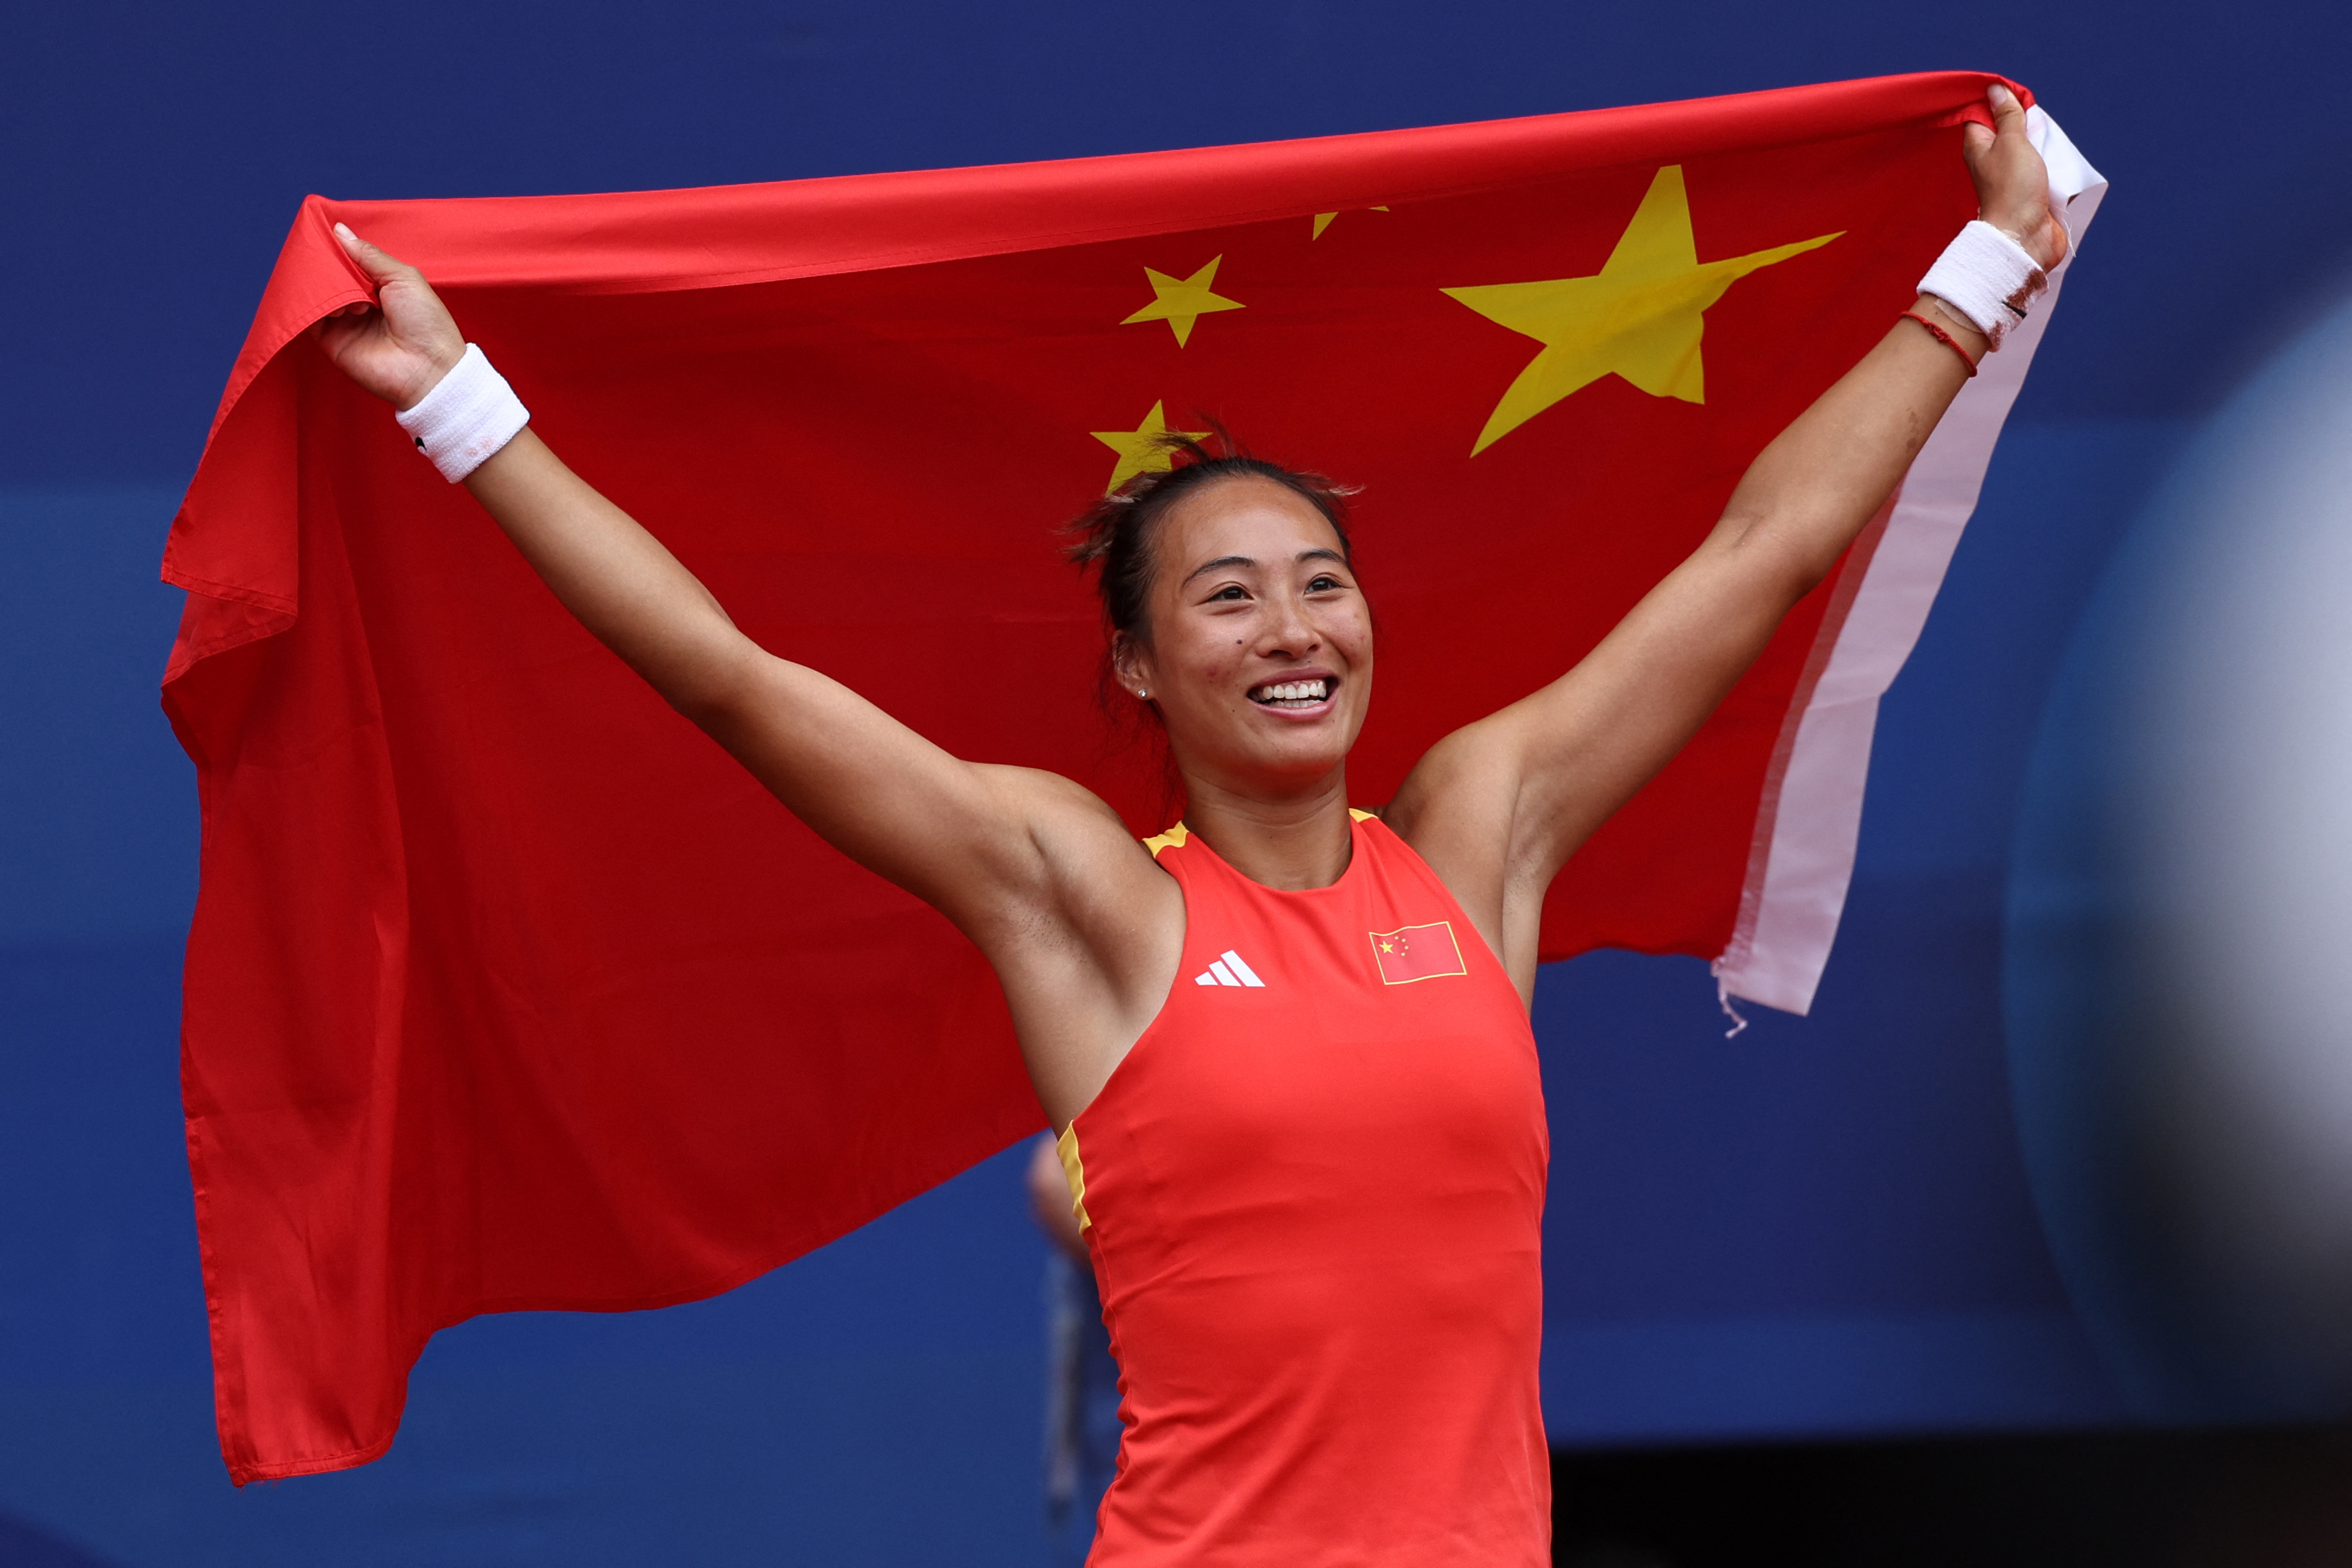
(1285, 1041)
(1125, 536)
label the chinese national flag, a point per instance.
(510, 990)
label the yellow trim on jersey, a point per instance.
(1173, 838)
(1074, 1171)
(1364, 816)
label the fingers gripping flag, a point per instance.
(507, 989)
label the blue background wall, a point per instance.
(1822, 1226)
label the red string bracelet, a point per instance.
(1944, 338)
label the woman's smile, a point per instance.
(1309, 694)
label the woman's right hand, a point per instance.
(400, 347)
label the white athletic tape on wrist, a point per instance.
(1987, 277)
(468, 416)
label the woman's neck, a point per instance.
(1292, 843)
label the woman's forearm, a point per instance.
(620, 582)
(1818, 485)
(629, 591)
(1814, 490)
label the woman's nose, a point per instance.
(1290, 632)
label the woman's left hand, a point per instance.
(2012, 184)
(400, 346)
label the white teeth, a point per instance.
(1294, 691)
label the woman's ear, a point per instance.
(1131, 664)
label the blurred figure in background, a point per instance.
(2179, 1042)
(1082, 1427)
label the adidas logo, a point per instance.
(1228, 970)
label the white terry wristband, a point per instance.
(1988, 277)
(469, 414)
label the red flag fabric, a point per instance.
(507, 990)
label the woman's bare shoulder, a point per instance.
(1457, 798)
(1088, 957)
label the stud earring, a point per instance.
(1141, 695)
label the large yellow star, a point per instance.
(1181, 301)
(1143, 449)
(1639, 316)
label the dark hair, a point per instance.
(1118, 533)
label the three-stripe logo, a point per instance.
(1228, 970)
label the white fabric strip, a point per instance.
(1987, 276)
(468, 415)
(1807, 826)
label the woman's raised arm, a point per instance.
(1497, 807)
(987, 845)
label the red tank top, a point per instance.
(1313, 1193)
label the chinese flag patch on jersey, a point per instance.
(1413, 953)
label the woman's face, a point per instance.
(1261, 650)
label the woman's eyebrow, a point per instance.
(1321, 553)
(1221, 560)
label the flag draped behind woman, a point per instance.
(510, 990)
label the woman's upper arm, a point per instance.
(1584, 744)
(996, 849)
(959, 835)
(1082, 928)
(1497, 807)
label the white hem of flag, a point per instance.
(1811, 818)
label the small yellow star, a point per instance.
(1323, 221)
(1140, 450)
(1181, 301)
(1641, 316)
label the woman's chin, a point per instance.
(1300, 755)
(1283, 757)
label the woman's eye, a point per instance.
(1323, 585)
(1231, 591)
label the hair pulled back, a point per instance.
(1119, 535)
